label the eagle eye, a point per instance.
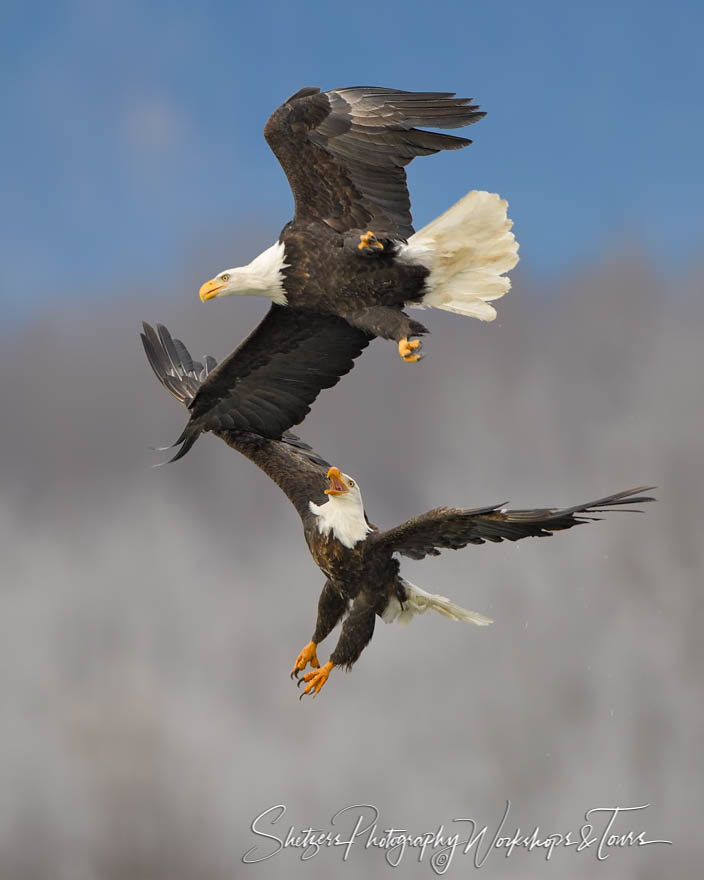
(351, 484)
(225, 277)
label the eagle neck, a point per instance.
(264, 276)
(343, 518)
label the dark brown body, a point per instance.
(344, 153)
(359, 579)
(327, 273)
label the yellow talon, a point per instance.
(307, 655)
(406, 348)
(316, 679)
(369, 240)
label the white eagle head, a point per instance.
(343, 489)
(230, 282)
(262, 277)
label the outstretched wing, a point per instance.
(453, 528)
(344, 151)
(290, 462)
(269, 383)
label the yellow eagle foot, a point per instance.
(315, 680)
(406, 348)
(369, 243)
(306, 656)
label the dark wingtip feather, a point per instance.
(184, 356)
(607, 504)
(293, 440)
(191, 437)
(305, 92)
(175, 369)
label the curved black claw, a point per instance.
(308, 693)
(316, 679)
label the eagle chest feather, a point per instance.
(341, 564)
(355, 570)
(325, 273)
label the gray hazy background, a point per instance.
(149, 618)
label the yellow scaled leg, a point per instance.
(406, 348)
(306, 656)
(368, 241)
(316, 679)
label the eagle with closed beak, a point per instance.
(344, 269)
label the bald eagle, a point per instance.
(363, 578)
(350, 250)
(343, 269)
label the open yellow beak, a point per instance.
(337, 487)
(210, 289)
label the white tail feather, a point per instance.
(467, 249)
(418, 602)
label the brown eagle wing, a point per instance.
(452, 528)
(290, 462)
(344, 151)
(268, 384)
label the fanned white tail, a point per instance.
(418, 602)
(467, 249)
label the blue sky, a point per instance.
(133, 156)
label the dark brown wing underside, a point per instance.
(290, 462)
(344, 151)
(452, 528)
(297, 470)
(269, 383)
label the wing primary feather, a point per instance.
(184, 357)
(267, 385)
(187, 443)
(454, 528)
(337, 147)
(169, 348)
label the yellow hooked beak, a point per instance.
(211, 288)
(337, 487)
